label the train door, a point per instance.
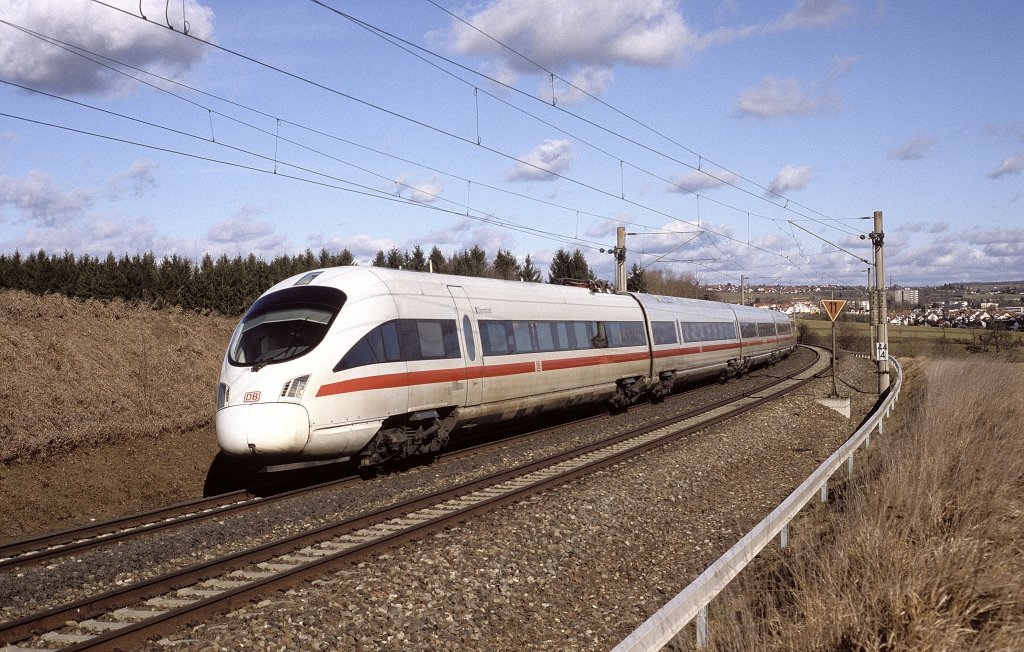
(472, 354)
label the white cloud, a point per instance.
(551, 156)
(808, 14)
(596, 35)
(696, 181)
(137, 179)
(588, 81)
(1010, 165)
(814, 14)
(559, 34)
(913, 150)
(924, 227)
(842, 65)
(245, 232)
(466, 232)
(28, 60)
(779, 98)
(362, 247)
(790, 178)
(39, 199)
(424, 191)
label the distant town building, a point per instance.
(905, 297)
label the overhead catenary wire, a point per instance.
(450, 134)
(78, 51)
(553, 75)
(408, 46)
(422, 124)
(432, 127)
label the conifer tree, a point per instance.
(418, 260)
(566, 265)
(437, 261)
(506, 265)
(530, 274)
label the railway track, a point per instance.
(38, 549)
(145, 609)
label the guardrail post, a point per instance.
(702, 626)
(824, 492)
(849, 465)
(784, 536)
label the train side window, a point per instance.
(429, 339)
(614, 331)
(765, 330)
(392, 347)
(545, 340)
(664, 332)
(581, 335)
(626, 333)
(522, 340)
(377, 346)
(748, 329)
(467, 334)
(562, 332)
(494, 338)
(689, 334)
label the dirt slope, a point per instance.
(104, 408)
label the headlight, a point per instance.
(294, 387)
(223, 395)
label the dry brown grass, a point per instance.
(923, 548)
(77, 374)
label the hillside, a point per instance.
(79, 379)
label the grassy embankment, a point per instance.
(915, 340)
(923, 549)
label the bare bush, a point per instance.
(923, 550)
(82, 373)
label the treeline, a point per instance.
(229, 285)
(225, 285)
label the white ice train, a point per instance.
(378, 364)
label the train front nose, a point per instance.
(262, 428)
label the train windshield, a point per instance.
(284, 325)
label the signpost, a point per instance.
(832, 308)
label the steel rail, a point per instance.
(45, 547)
(283, 563)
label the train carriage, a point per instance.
(383, 364)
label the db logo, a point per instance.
(251, 397)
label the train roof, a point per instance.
(355, 279)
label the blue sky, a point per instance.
(731, 137)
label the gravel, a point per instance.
(576, 568)
(64, 580)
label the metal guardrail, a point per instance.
(693, 601)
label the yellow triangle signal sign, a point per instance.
(832, 307)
